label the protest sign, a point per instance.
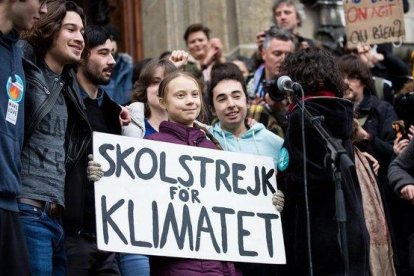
(173, 200)
(374, 21)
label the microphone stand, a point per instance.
(340, 161)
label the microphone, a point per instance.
(281, 87)
(285, 84)
(270, 87)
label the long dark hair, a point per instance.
(139, 92)
(43, 32)
(352, 66)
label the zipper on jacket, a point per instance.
(44, 108)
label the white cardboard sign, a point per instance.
(374, 21)
(166, 199)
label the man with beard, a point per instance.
(83, 257)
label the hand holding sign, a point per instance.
(278, 200)
(94, 170)
(369, 55)
(181, 201)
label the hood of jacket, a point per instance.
(256, 140)
(250, 134)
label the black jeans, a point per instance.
(14, 257)
(84, 258)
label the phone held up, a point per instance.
(399, 129)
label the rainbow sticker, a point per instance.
(15, 90)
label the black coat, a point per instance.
(380, 115)
(400, 174)
(40, 101)
(327, 260)
(79, 191)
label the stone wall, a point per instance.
(235, 22)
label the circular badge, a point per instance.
(283, 161)
(15, 90)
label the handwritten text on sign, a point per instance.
(172, 200)
(374, 21)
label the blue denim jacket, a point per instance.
(120, 86)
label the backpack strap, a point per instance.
(379, 87)
(362, 120)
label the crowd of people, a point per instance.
(64, 79)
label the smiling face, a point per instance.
(198, 45)
(230, 105)
(182, 100)
(68, 43)
(98, 67)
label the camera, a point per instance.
(270, 87)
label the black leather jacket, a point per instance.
(79, 215)
(39, 101)
(78, 140)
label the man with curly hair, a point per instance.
(317, 72)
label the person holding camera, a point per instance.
(277, 45)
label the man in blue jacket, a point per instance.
(15, 16)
